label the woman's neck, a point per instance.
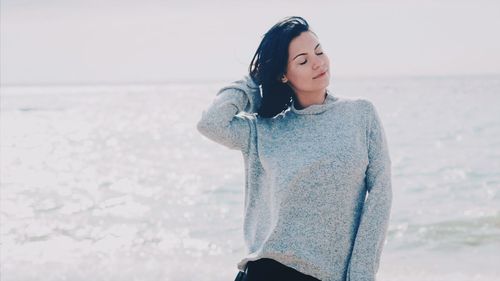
(305, 100)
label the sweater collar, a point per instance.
(316, 108)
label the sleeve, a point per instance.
(221, 121)
(374, 222)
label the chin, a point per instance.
(323, 85)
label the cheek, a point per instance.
(327, 60)
(298, 75)
(301, 80)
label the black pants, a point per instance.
(270, 270)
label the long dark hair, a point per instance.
(270, 63)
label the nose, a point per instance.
(318, 62)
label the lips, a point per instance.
(321, 74)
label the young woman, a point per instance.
(318, 172)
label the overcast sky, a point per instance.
(122, 41)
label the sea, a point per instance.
(114, 182)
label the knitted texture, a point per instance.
(317, 181)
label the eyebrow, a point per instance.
(305, 53)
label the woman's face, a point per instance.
(308, 67)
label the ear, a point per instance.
(284, 79)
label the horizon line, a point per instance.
(222, 80)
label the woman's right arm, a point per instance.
(220, 122)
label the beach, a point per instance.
(113, 182)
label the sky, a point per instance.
(152, 41)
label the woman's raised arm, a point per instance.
(221, 121)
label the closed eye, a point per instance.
(302, 63)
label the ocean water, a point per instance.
(115, 183)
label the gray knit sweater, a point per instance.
(317, 181)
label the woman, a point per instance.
(318, 172)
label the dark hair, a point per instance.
(270, 63)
